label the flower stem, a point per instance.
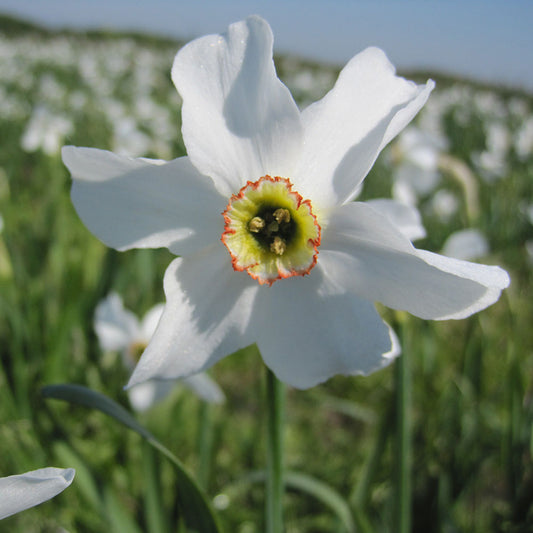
(205, 444)
(275, 404)
(402, 519)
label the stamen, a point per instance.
(278, 246)
(256, 224)
(282, 215)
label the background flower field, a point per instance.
(465, 389)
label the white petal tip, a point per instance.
(20, 492)
(68, 475)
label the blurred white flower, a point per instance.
(22, 491)
(492, 162)
(50, 90)
(467, 244)
(489, 104)
(128, 139)
(518, 107)
(523, 141)
(120, 330)
(307, 84)
(45, 131)
(444, 204)
(416, 172)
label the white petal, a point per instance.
(137, 203)
(492, 278)
(405, 218)
(312, 330)
(205, 388)
(368, 256)
(239, 121)
(146, 394)
(345, 131)
(396, 347)
(206, 316)
(150, 321)
(115, 326)
(23, 491)
(466, 244)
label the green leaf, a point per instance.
(194, 508)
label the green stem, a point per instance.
(402, 513)
(205, 444)
(275, 403)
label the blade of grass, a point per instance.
(153, 503)
(324, 493)
(84, 479)
(361, 490)
(119, 518)
(313, 487)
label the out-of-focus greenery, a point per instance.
(471, 402)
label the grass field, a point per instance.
(457, 411)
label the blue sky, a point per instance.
(483, 39)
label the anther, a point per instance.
(278, 246)
(256, 224)
(282, 215)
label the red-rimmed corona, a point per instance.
(270, 231)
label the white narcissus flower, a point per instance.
(22, 491)
(523, 139)
(417, 172)
(45, 131)
(120, 330)
(466, 244)
(444, 204)
(492, 162)
(272, 248)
